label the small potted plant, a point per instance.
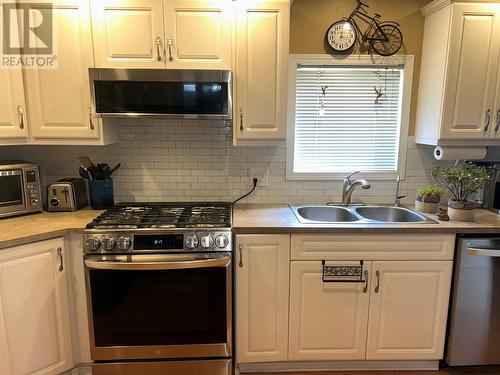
(461, 181)
(428, 198)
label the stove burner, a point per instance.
(164, 215)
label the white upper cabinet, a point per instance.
(129, 33)
(408, 310)
(327, 319)
(458, 78)
(58, 99)
(12, 106)
(262, 284)
(198, 34)
(35, 335)
(262, 44)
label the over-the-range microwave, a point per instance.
(161, 93)
(20, 191)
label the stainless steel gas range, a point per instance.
(159, 288)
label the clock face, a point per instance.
(341, 36)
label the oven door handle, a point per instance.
(185, 264)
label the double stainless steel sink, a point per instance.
(325, 214)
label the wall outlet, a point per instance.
(261, 174)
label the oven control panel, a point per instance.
(159, 242)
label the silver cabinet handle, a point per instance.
(90, 119)
(240, 264)
(241, 119)
(158, 48)
(494, 253)
(487, 119)
(21, 116)
(61, 261)
(498, 120)
(365, 289)
(170, 43)
(377, 287)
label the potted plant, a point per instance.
(461, 181)
(428, 198)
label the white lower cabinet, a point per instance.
(262, 286)
(396, 311)
(408, 310)
(327, 319)
(35, 336)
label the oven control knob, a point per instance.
(221, 241)
(124, 243)
(92, 243)
(108, 243)
(34, 201)
(207, 241)
(33, 193)
(191, 242)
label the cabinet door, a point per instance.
(129, 33)
(59, 98)
(35, 309)
(408, 311)
(327, 320)
(262, 285)
(13, 122)
(198, 34)
(262, 29)
(468, 111)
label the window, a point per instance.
(348, 114)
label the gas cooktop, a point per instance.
(161, 227)
(164, 216)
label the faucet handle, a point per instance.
(351, 174)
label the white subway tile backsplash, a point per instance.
(195, 160)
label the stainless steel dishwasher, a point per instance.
(474, 337)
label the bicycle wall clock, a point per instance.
(384, 38)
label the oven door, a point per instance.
(11, 192)
(159, 306)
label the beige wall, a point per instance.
(311, 18)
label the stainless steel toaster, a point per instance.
(68, 194)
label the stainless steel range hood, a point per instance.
(161, 93)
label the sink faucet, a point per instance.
(397, 198)
(349, 187)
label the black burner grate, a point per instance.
(164, 215)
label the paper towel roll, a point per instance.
(459, 153)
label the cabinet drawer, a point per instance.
(373, 247)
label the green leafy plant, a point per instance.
(461, 180)
(430, 191)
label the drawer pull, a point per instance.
(487, 120)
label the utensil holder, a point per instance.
(101, 194)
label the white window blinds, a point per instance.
(347, 118)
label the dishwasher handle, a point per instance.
(484, 252)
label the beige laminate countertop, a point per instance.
(279, 218)
(248, 218)
(25, 229)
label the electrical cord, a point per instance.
(255, 180)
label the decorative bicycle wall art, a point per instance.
(383, 37)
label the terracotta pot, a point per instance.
(427, 205)
(461, 211)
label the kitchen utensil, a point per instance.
(87, 165)
(115, 168)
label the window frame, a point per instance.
(355, 60)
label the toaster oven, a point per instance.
(20, 191)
